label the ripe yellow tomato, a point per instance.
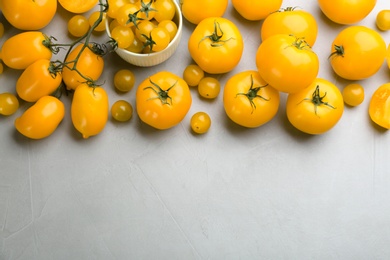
(357, 52)
(39, 79)
(249, 101)
(353, 94)
(89, 109)
(9, 104)
(78, 6)
(197, 10)
(28, 15)
(41, 119)
(200, 122)
(23, 49)
(383, 20)
(346, 11)
(163, 100)
(287, 63)
(379, 108)
(89, 64)
(297, 22)
(216, 45)
(315, 109)
(256, 10)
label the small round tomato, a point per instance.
(147, 9)
(39, 79)
(94, 17)
(353, 94)
(88, 63)
(200, 122)
(379, 108)
(124, 80)
(357, 53)
(383, 20)
(249, 101)
(209, 87)
(315, 109)
(170, 26)
(123, 35)
(9, 104)
(291, 21)
(216, 45)
(78, 25)
(41, 119)
(192, 74)
(165, 10)
(121, 111)
(113, 7)
(256, 10)
(287, 63)
(23, 49)
(158, 39)
(89, 109)
(28, 15)
(78, 6)
(163, 100)
(209, 8)
(346, 11)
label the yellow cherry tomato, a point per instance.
(200, 122)
(315, 109)
(9, 104)
(192, 74)
(379, 108)
(121, 111)
(197, 10)
(383, 20)
(209, 87)
(93, 18)
(357, 52)
(256, 10)
(78, 6)
(89, 109)
(78, 25)
(163, 100)
(248, 100)
(124, 80)
(353, 94)
(41, 119)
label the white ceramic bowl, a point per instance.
(155, 58)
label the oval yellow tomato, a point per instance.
(357, 52)
(163, 100)
(249, 101)
(315, 109)
(379, 108)
(209, 8)
(346, 11)
(41, 119)
(216, 45)
(287, 63)
(256, 10)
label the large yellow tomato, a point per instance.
(28, 14)
(357, 53)
(216, 45)
(346, 11)
(197, 10)
(41, 119)
(379, 108)
(89, 109)
(163, 100)
(248, 100)
(287, 63)
(315, 109)
(256, 10)
(78, 6)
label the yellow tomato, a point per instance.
(197, 10)
(41, 119)
(256, 10)
(346, 11)
(78, 6)
(200, 122)
(383, 20)
(379, 108)
(9, 104)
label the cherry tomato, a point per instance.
(379, 108)
(197, 10)
(170, 26)
(299, 23)
(39, 79)
(163, 100)
(144, 29)
(346, 11)
(165, 10)
(216, 45)
(89, 64)
(353, 94)
(287, 63)
(42, 118)
(123, 35)
(248, 100)
(158, 39)
(147, 9)
(192, 74)
(256, 10)
(23, 49)
(200, 122)
(357, 52)
(89, 109)
(78, 6)
(78, 25)
(121, 111)
(127, 15)
(315, 109)
(209, 87)
(9, 104)
(113, 7)
(94, 17)
(383, 20)
(124, 80)
(29, 15)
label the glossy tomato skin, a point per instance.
(28, 15)
(379, 108)
(23, 49)
(297, 22)
(315, 109)
(209, 8)
(346, 11)
(91, 65)
(37, 81)
(89, 109)
(41, 119)
(169, 110)
(256, 10)
(249, 101)
(287, 63)
(357, 53)
(216, 45)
